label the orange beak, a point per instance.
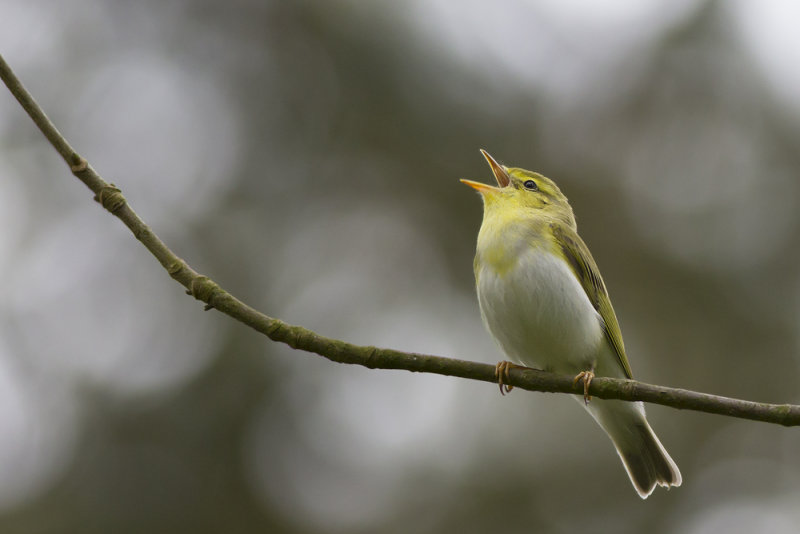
(500, 174)
(479, 187)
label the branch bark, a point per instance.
(206, 290)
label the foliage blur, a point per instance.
(306, 155)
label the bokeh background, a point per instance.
(306, 155)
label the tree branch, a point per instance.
(204, 289)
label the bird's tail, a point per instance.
(645, 459)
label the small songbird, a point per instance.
(543, 299)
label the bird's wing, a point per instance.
(580, 260)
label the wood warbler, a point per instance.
(543, 299)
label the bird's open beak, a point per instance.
(500, 174)
(479, 187)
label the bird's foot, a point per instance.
(587, 377)
(501, 372)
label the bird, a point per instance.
(544, 301)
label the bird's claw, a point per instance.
(587, 377)
(501, 372)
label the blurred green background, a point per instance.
(306, 155)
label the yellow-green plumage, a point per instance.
(543, 299)
(577, 255)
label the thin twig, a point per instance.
(206, 290)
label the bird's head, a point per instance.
(521, 193)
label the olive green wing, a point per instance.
(580, 260)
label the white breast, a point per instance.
(540, 314)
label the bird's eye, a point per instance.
(530, 185)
